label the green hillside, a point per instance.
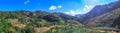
(22, 21)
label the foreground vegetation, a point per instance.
(40, 22)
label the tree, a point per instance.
(29, 28)
(51, 18)
(61, 22)
(22, 20)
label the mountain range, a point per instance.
(39, 21)
(103, 15)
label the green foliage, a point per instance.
(39, 19)
(62, 22)
(29, 28)
(5, 26)
(23, 20)
(72, 29)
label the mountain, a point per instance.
(103, 15)
(100, 10)
(22, 21)
(107, 19)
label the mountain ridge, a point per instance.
(100, 10)
(103, 15)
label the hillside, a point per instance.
(102, 15)
(107, 19)
(101, 19)
(100, 10)
(22, 21)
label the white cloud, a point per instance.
(86, 9)
(54, 7)
(27, 1)
(73, 12)
(59, 6)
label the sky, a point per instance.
(71, 7)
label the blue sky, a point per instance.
(71, 7)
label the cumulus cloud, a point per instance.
(59, 6)
(54, 7)
(27, 1)
(74, 12)
(86, 9)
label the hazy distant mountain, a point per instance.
(103, 15)
(100, 10)
(107, 19)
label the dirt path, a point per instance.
(15, 22)
(45, 29)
